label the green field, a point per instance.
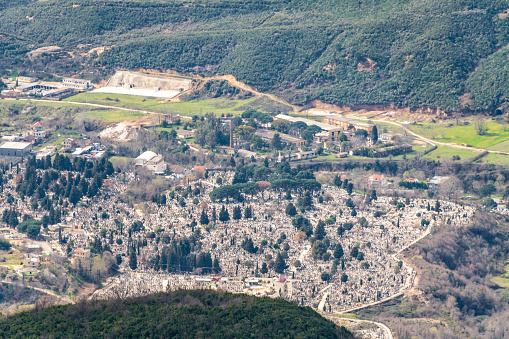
(189, 108)
(497, 159)
(446, 153)
(111, 115)
(461, 134)
(503, 279)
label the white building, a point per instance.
(152, 161)
(77, 83)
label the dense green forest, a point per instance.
(180, 314)
(447, 54)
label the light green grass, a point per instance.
(116, 160)
(503, 279)
(460, 134)
(502, 146)
(446, 153)
(188, 108)
(112, 115)
(497, 159)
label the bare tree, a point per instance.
(480, 125)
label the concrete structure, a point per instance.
(344, 123)
(435, 182)
(387, 137)
(152, 161)
(332, 132)
(77, 83)
(15, 149)
(268, 135)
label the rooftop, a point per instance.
(148, 155)
(308, 122)
(15, 145)
(349, 121)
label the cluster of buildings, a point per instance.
(151, 161)
(92, 151)
(30, 86)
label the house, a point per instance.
(412, 180)
(435, 182)
(38, 126)
(39, 134)
(82, 253)
(179, 172)
(185, 134)
(68, 142)
(376, 180)
(152, 161)
(31, 260)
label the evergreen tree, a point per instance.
(374, 134)
(214, 216)
(224, 215)
(291, 210)
(264, 269)
(373, 195)
(320, 230)
(337, 181)
(437, 206)
(237, 213)
(338, 251)
(248, 213)
(133, 260)
(280, 264)
(204, 218)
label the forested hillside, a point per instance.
(180, 314)
(447, 54)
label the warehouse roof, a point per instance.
(15, 145)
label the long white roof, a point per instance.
(148, 155)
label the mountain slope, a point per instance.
(408, 53)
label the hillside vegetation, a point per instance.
(180, 314)
(447, 54)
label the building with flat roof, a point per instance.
(15, 149)
(268, 135)
(152, 161)
(344, 123)
(332, 132)
(77, 83)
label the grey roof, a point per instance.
(308, 122)
(349, 121)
